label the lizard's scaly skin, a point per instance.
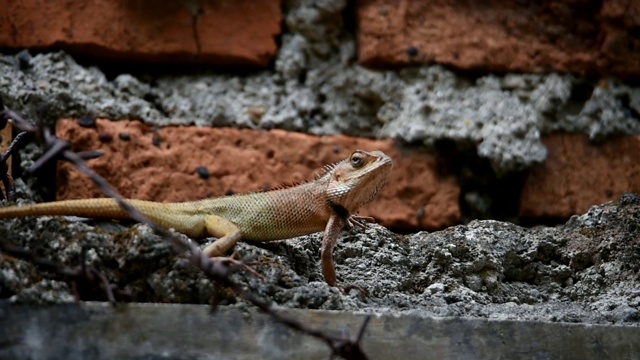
(327, 202)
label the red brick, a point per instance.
(231, 33)
(578, 174)
(417, 196)
(564, 36)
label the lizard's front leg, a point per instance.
(329, 241)
(228, 235)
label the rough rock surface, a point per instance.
(578, 174)
(192, 163)
(235, 33)
(588, 38)
(583, 271)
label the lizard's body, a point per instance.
(327, 202)
(261, 216)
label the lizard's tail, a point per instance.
(90, 208)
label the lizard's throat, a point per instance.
(351, 199)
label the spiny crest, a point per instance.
(283, 186)
(327, 169)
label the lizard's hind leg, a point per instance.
(228, 235)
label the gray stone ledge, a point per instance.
(150, 331)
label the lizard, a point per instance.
(329, 203)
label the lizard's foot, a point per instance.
(346, 288)
(359, 221)
(246, 262)
(232, 261)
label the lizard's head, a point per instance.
(358, 179)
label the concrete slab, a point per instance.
(150, 331)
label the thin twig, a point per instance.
(5, 173)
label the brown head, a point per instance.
(358, 179)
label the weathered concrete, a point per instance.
(99, 331)
(584, 271)
(315, 86)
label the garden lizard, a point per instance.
(329, 202)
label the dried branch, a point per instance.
(217, 268)
(5, 174)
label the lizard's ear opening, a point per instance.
(342, 171)
(337, 173)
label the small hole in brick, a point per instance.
(87, 121)
(105, 137)
(203, 172)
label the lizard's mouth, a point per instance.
(383, 166)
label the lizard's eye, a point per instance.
(356, 160)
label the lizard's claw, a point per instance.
(359, 221)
